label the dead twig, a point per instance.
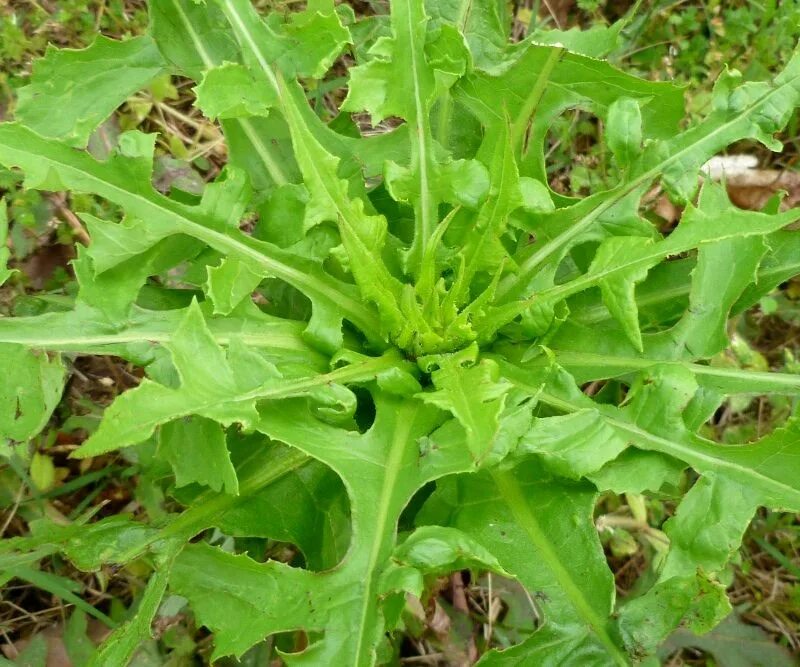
(60, 202)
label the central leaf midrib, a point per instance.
(421, 134)
(599, 313)
(285, 101)
(683, 452)
(354, 310)
(610, 361)
(287, 389)
(50, 339)
(384, 526)
(680, 451)
(514, 498)
(550, 247)
(272, 166)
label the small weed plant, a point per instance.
(382, 338)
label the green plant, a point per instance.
(696, 41)
(372, 345)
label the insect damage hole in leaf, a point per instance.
(403, 399)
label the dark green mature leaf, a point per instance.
(440, 550)
(653, 421)
(317, 520)
(485, 25)
(562, 80)
(711, 518)
(209, 463)
(80, 647)
(623, 261)
(768, 469)
(708, 526)
(229, 91)
(624, 130)
(502, 510)
(194, 38)
(120, 540)
(87, 329)
(345, 602)
(747, 111)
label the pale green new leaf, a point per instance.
(474, 395)
(481, 247)
(403, 78)
(231, 282)
(230, 91)
(363, 235)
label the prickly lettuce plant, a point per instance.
(403, 399)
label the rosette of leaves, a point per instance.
(408, 402)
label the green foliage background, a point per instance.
(649, 325)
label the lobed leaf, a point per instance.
(86, 86)
(259, 305)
